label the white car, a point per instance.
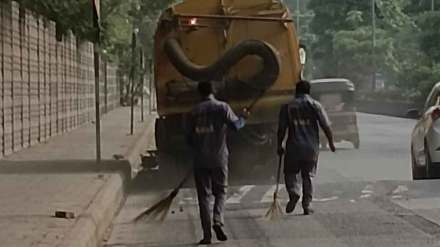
(425, 139)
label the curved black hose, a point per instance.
(216, 71)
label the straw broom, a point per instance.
(160, 210)
(275, 210)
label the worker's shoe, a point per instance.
(290, 207)
(205, 241)
(308, 211)
(219, 233)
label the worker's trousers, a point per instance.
(307, 169)
(211, 181)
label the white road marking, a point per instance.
(353, 201)
(268, 196)
(236, 197)
(188, 197)
(420, 203)
(367, 192)
(368, 187)
(400, 189)
(326, 199)
(396, 197)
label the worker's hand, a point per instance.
(332, 147)
(281, 151)
(245, 113)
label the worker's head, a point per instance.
(205, 88)
(302, 87)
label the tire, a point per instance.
(417, 172)
(431, 172)
(355, 141)
(428, 164)
(160, 135)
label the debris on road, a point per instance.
(64, 214)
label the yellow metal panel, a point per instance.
(205, 43)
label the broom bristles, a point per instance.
(160, 210)
(275, 211)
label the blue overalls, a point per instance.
(301, 120)
(206, 134)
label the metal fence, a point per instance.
(46, 86)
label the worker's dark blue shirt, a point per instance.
(206, 132)
(301, 119)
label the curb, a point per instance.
(133, 153)
(91, 226)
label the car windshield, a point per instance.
(227, 122)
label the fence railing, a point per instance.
(46, 86)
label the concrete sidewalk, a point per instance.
(62, 175)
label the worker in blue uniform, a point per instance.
(207, 128)
(300, 120)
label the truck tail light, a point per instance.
(435, 114)
(193, 21)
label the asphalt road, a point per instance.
(363, 198)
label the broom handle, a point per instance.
(255, 101)
(183, 182)
(280, 161)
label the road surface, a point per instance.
(363, 197)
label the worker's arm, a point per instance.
(324, 122)
(234, 122)
(282, 128)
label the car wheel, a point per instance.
(417, 172)
(430, 171)
(356, 143)
(428, 166)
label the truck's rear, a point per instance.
(248, 48)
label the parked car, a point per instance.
(425, 139)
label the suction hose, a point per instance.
(217, 71)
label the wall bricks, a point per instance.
(34, 79)
(46, 86)
(7, 79)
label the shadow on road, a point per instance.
(243, 170)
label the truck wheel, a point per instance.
(356, 142)
(160, 135)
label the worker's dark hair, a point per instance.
(303, 87)
(205, 88)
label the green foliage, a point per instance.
(393, 16)
(355, 59)
(118, 20)
(68, 15)
(332, 16)
(429, 23)
(407, 47)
